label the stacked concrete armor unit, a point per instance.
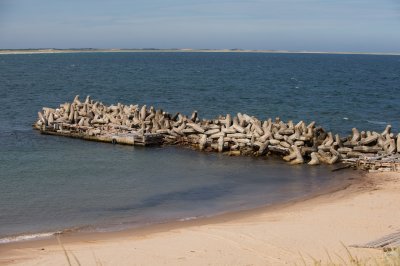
(242, 134)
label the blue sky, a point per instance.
(324, 25)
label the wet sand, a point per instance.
(288, 233)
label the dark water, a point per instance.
(51, 183)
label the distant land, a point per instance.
(95, 50)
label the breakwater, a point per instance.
(296, 143)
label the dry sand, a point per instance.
(287, 234)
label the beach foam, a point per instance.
(27, 237)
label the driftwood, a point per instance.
(242, 134)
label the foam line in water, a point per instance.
(188, 219)
(18, 238)
(376, 122)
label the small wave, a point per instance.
(345, 118)
(377, 122)
(187, 219)
(11, 239)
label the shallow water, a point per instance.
(51, 183)
(67, 183)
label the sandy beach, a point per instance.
(291, 233)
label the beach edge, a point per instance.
(365, 186)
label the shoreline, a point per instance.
(356, 176)
(358, 213)
(68, 51)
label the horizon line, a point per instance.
(227, 50)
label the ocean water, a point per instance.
(52, 183)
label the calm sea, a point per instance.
(50, 183)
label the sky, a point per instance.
(312, 25)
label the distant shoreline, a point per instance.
(60, 51)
